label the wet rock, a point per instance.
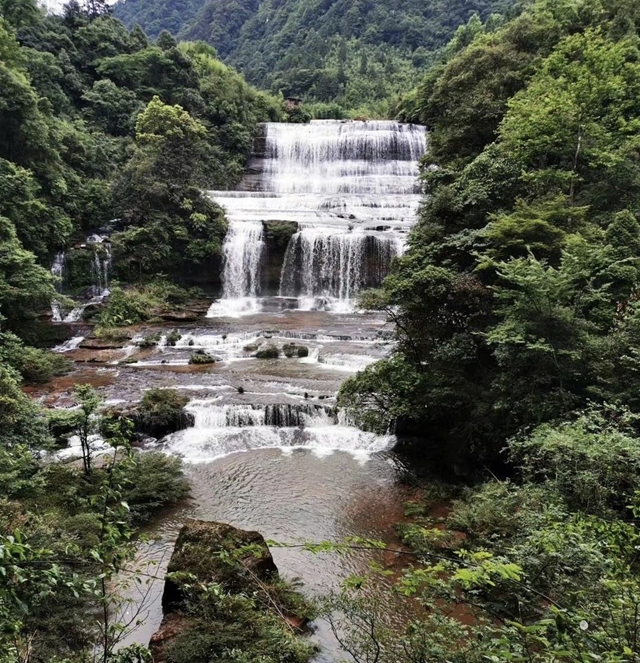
(180, 316)
(295, 350)
(106, 343)
(201, 357)
(161, 412)
(267, 352)
(210, 552)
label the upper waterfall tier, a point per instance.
(353, 190)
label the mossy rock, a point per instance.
(252, 347)
(149, 341)
(201, 357)
(216, 552)
(268, 352)
(161, 412)
(294, 350)
(173, 337)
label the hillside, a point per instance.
(354, 53)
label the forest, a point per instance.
(349, 58)
(511, 381)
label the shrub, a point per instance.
(593, 462)
(62, 423)
(150, 341)
(154, 481)
(141, 303)
(33, 364)
(173, 337)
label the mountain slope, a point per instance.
(350, 51)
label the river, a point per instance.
(268, 450)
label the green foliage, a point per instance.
(131, 305)
(516, 302)
(346, 56)
(72, 155)
(33, 364)
(593, 463)
(21, 422)
(153, 481)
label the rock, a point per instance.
(268, 352)
(171, 627)
(105, 343)
(201, 357)
(180, 316)
(295, 350)
(198, 552)
(241, 563)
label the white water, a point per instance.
(326, 263)
(57, 271)
(243, 249)
(353, 190)
(100, 272)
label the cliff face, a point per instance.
(223, 591)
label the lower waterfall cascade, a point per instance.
(352, 190)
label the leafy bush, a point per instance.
(154, 481)
(132, 305)
(33, 364)
(593, 462)
(173, 337)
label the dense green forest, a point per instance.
(77, 152)
(517, 361)
(343, 55)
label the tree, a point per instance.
(87, 424)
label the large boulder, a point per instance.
(216, 552)
(241, 563)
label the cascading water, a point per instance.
(322, 265)
(57, 271)
(220, 430)
(243, 249)
(352, 188)
(100, 272)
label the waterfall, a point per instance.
(242, 254)
(100, 272)
(320, 264)
(243, 248)
(208, 415)
(220, 430)
(57, 271)
(353, 190)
